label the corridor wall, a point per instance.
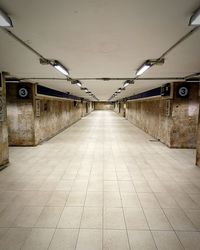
(3, 124)
(149, 115)
(103, 106)
(55, 116)
(37, 118)
(173, 121)
(198, 144)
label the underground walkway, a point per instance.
(101, 184)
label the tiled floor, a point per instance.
(101, 184)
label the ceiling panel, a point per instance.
(107, 38)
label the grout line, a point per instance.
(129, 244)
(153, 193)
(143, 210)
(83, 208)
(61, 212)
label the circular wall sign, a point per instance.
(23, 92)
(183, 91)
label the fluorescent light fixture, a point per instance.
(60, 68)
(127, 82)
(143, 68)
(5, 20)
(147, 64)
(78, 83)
(119, 90)
(195, 18)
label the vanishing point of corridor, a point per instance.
(100, 184)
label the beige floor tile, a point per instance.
(3, 206)
(178, 219)
(194, 216)
(3, 231)
(126, 186)
(110, 176)
(71, 217)
(141, 186)
(115, 240)
(130, 200)
(185, 201)
(148, 200)
(80, 186)
(190, 240)
(64, 185)
(113, 218)
(23, 198)
(49, 185)
(105, 164)
(135, 219)
(28, 217)
(94, 199)
(49, 217)
(111, 186)
(157, 186)
(8, 196)
(57, 199)
(166, 200)
(141, 240)
(76, 199)
(166, 240)
(64, 239)
(40, 198)
(95, 186)
(189, 187)
(39, 239)
(195, 198)
(157, 219)
(9, 215)
(92, 217)
(89, 239)
(123, 176)
(14, 238)
(112, 199)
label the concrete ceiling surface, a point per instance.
(107, 38)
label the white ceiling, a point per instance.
(93, 38)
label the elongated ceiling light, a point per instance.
(5, 20)
(143, 68)
(77, 82)
(127, 82)
(60, 68)
(149, 63)
(195, 18)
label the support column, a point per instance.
(198, 144)
(4, 155)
